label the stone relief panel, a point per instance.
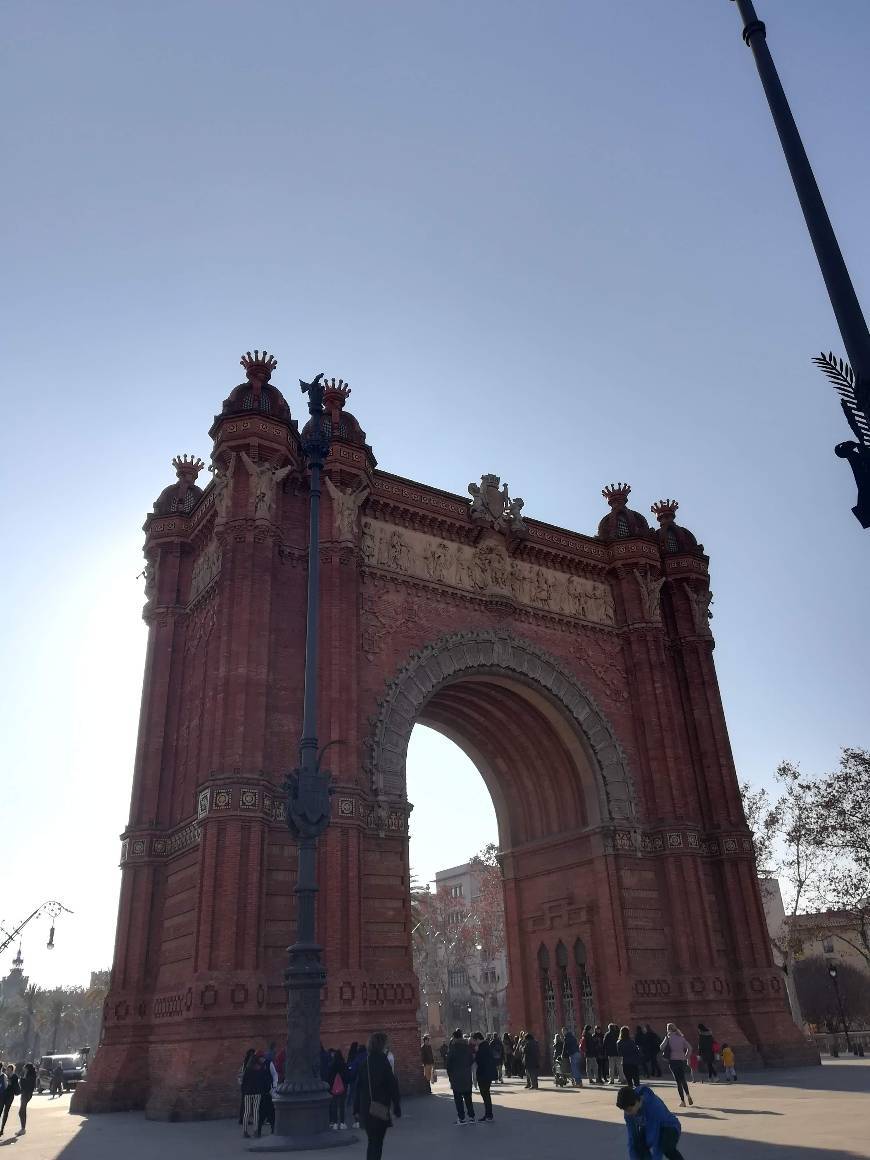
(485, 570)
(205, 569)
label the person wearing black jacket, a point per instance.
(256, 1081)
(28, 1083)
(460, 1057)
(653, 1042)
(487, 1073)
(705, 1050)
(571, 1052)
(629, 1055)
(13, 1088)
(610, 1041)
(531, 1060)
(376, 1085)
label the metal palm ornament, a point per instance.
(855, 400)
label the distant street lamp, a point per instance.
(852, 383)
(832, 971)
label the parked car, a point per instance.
(74, 1068)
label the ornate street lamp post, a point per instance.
(302, 1102)
(832, 971)
(852, 383)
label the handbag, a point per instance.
(377, 1110)
(337, 1088)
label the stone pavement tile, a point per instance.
(795, 1115)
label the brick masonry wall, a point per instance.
(627, 860)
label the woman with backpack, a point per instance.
(337, 1080)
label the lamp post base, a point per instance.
(302, 1125)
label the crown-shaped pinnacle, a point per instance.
(187, 465)
(617, 494)
(665, 510)
(258, 368)
(335, 395)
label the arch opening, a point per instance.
(556, 779)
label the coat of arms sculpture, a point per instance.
(492, 506)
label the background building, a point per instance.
(459, 951)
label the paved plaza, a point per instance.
(799, 1115)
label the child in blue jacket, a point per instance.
(653, 1130)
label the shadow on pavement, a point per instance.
(593, 1127)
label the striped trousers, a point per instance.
(252, 1113)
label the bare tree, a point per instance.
(841, 821)
(786, 837)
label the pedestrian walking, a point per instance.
(729, 1063)
(589, 1049)
(629, 1057)
(355, 1059)
(531, 1060)
(487, 1073)
(571, 1053)
(676, 1050)
(653, 1129)
(427, 1058)
(497, 1049)
(57, 1080)
(611, 1038)
(337, 1081)
(707, 1051)
(653, 1040)
(12, 1089)
(459, 1060)
(640, 1040)
(602, 1055)
(507, 1045)
(255, 1083)
(267, 1104)
(28, 1083)
(377, 1095)
(249, 1055)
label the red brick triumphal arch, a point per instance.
(575, 670)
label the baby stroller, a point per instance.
(561, 1073)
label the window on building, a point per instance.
(828, 946)
(457, 977)
(456, 891)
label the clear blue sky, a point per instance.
(553, 240)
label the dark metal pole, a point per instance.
(854, 390)
(302, 1102)
(847, 309)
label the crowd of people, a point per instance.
(611, 1055)
(362, 1086)
(364, 1092)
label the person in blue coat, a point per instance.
(653, 1129)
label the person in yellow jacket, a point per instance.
(728, 1062)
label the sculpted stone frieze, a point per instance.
(205, 568)
(485, 570)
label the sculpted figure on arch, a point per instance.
(345, 505)
(265, 477)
